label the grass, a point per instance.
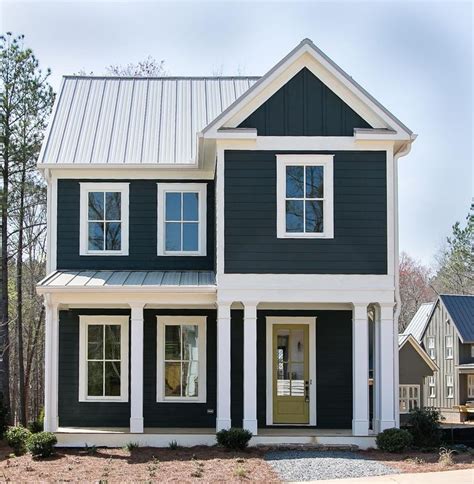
(446, 457)
(131, 446)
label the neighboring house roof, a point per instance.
(461, 310)
(409, 338)
(118, 120)
(417, 325)
(95, 280)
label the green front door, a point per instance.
(290, 374)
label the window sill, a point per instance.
(305, 236)
(181, 400)
(103, 400)
(182, 254)
(107, 253)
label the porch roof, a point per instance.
(128, 279)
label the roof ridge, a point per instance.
(162, 78)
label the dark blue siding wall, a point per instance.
(178, 414)
(360, 218)
(142, 231)
(304, 106)
(333, 366)
(71, 411)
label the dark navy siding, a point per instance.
(333, 366)
(360, 218)
(237, 368)
(178, 414)
(142, 231)
(304, 106)
(72, 412)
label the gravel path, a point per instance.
(306, 465)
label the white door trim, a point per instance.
(311, 321)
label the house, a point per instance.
(214, 247)
(445, 329)
(415, 367)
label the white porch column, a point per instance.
(136, 368)
(250, 367)
(360, 370)
(387, 368)
(223, 420)
(51, 366)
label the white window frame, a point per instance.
(449, 385)
(327, 162)
(448, 349)
(431, 347)
(470, 386)
(86, 188)
(472, 351)
(84, 323)
(431, 387)
(407, 398)
(201, 323)
(200, 188)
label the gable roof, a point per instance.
(461, 310)
(418, 323)
(133, 120)
(408, 338)
(281, 72)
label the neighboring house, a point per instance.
(214, 247)
(415, 366)
(445, 329)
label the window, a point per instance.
(449, 386)
(470, 386)
(103, 366)
(305, 196)
(448, 347)
(104, 219)
(431, 347)
(432, 387)
(472, 351)
(409, 398)
(181, 350)
(182, 219)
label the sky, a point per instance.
(415, 57)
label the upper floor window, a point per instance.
(182, 219)
(103, 364)
(305, 203)
(104, 219)
(449, 347)
(431, 347)
(432, 386)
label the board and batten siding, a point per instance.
(72, 412)
(359, 245)
(304, 106)
(439, 327)
(142, 230)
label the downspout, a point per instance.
(403, 151)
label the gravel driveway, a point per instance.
(306, 465)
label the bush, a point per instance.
(37, 425)
(394, 440)
(234, 439)
(16, 438)
(423, 424)
(41, 444)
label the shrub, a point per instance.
(446, 457)
(234, 439)
(423, 424)
(37, 425)
(394, 440)
(131, 446)
(41, 444)
(16, 438)
(173, 445)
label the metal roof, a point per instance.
(114, 279)
(118, 120)
(417, 325)
(461, 310)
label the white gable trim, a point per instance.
(420, 351)
(306, 54)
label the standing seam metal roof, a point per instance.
(417, 325)
(133, 120)
(461, 310)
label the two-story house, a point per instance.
(445, 329)
(214, 247)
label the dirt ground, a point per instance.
(209, 464)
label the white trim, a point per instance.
(51, 221)
(223, 418)
(311, 321)
(84, 322)
(201, 189)
(51, 367)
(86, 188)
(426, 358)
(327, 162)
(201, 323)
(136, 368)
(250, 368)
(407, 399)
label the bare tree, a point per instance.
(149, 67)
(415, 288)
